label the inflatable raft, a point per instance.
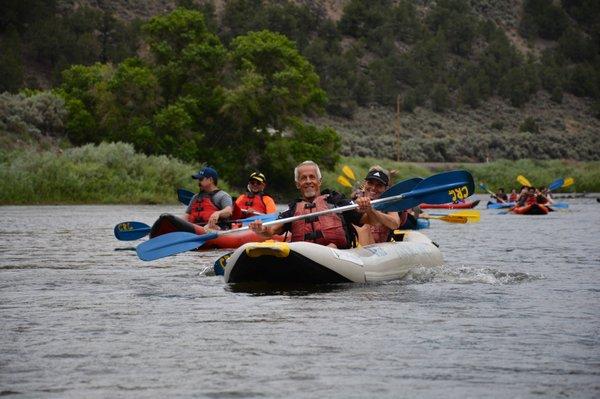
(168, 223)
(532, 209)
(309, 263)
(451, 205)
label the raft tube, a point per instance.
(308, 263)
(532, 209)
(168, 223)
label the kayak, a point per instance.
(451, 205)
(309, 263)
(532, 209)
(168, 223)
(500, 205)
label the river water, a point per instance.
(514, 313)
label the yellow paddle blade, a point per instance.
(451, 218)
(472, 215)
(348, 172)
(343, 181)
(568, 182)
(523, 181)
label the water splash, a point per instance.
(467, 275)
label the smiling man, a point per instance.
(332, 229)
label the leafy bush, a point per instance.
(104, 173)
(32, 115)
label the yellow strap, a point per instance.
(268, 248)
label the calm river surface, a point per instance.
(514, 313)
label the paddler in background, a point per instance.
(211, 206)
(500, 196)
(513, 196)
(332, 229)
(254, 201)
(377, 226)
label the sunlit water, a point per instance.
(513, 313)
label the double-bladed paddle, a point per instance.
(129, 231)
(437, 189)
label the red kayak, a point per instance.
(168, 223)
(451, 205)
(532, 209)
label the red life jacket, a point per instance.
(324, 229)
(247, 201)
(531, 199)
(512, 198)
(202, 208)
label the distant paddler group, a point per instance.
(530, 200)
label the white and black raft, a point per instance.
(309, 263)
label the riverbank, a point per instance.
(113, 173)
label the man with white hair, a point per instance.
(332, 229)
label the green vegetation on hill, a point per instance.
(240, 89)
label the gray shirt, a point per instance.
(221, 200)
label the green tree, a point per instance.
(11, 66)
(440, 98)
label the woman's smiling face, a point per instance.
(374, 188)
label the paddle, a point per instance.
(184, 196)
(437, 189)
(129, 231)
(483, 186)
(556, 184)
(348, 172)
(344, 182)
(447, 218)
(471, 215)
(568, 182)
(523, 181)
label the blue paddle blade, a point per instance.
(171, 244)
(437, 189)
(129, 231)
(501, 205)
(184, 196)
(483, 186)
(556, 184)
(399, 188)
(560, 205)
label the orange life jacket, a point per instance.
(247, 201)
(202, 208)
(324, 229)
